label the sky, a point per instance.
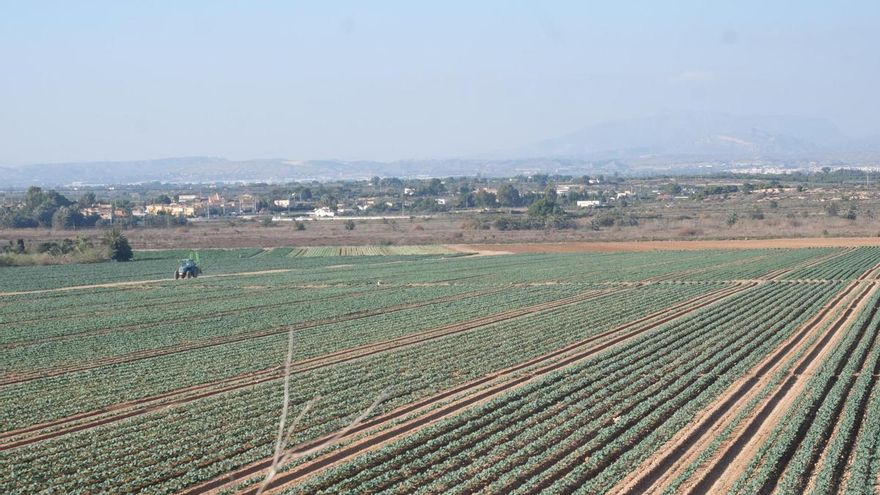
(125, 80)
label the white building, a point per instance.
(564, 189)
(588, 203)
(324, 212)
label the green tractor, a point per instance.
(189, 268)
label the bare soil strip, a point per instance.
(670, 461)
(98, 417)
(468, 395)
(719, 474)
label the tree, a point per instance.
(86, 200)
(508, 196)
(43, 214)
(118, 248)
(485, 199)
(434, 187)
(732, 218)
(545, 207)
(164, 199)
(67, 218)
(33, 198)
(671, 188)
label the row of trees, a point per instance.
(113, 246)
(48, 209)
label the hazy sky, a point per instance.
(384, 80)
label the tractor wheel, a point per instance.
(189, 274)
(176, 275)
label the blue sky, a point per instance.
(386, 80)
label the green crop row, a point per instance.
(834, 396)
(845, 267)
(71, 392)
(584, 427)
(177, 447)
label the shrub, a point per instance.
(118, 248)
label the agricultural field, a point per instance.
(431, 370)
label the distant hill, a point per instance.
(669, 143)
(701, 134)
(212, 169)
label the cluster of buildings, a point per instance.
(186, 205)
(192, 205)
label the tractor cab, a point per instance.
(187, 269)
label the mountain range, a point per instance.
(654, 143)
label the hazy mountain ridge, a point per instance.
(662, 142)
(701, 134)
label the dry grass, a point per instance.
(283, 454)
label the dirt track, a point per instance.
(639, 246)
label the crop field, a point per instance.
(428, 370)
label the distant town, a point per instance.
(551, 200)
